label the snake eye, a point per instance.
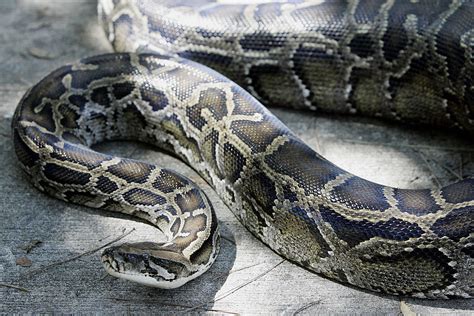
(131, 258)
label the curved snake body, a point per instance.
(408, 242)
(408, 61)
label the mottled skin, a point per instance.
(416, 242)
(407, 242)
(402, 60)
(107, 98)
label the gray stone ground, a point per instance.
(248, 278)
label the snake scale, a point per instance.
(409, 61)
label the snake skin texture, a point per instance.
(396, 241)
(408, 61)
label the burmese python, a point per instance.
(403, 60)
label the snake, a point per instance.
(167, 85)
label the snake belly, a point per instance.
(396, 241)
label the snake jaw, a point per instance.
(156, 267)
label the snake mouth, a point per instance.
(161, 280)
(110, 264)
(112, 268)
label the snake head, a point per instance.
(148, 263)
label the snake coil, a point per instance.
(382, 58)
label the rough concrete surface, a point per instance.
(248, 278)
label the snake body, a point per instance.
(406, 61)
(396, 241)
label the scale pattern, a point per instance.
(408, 61)
(396, 241)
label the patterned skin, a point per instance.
(407, 242)
(408, 61)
